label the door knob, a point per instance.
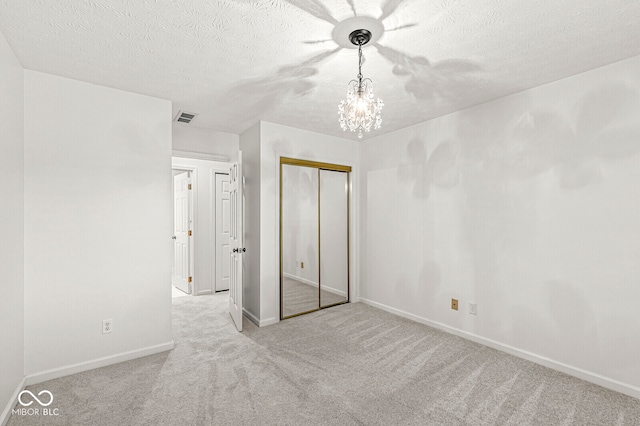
(173, 238)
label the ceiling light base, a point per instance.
(360, 37)
(341, 33)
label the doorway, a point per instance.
(314, 236)
(223, 223)
(205, 249)
(182, 267)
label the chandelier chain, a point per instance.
(360, 63)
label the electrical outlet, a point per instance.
(473, 308)
(454, 304)
(107, 326)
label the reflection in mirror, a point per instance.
(334, 258)
(314, 236)
(299, 242)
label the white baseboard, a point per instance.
(268, 321)
(256, 321)
(55, 373)
(588, 376)
(315, 285)
(300, 279)
(251, 317)
(335, 291)
(6, 413)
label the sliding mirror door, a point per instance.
(299, 240)
(314, 236)
(334, 237)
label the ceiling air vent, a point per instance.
(185, 117)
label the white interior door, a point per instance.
(180, 276)
(236, 241)
(223, 225)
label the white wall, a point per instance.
(250, 147)
(529, 206)
(204, 183)
(11, 226)
(97, 225)
(281, 141)
(188, 138)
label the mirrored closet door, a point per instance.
(314, 236)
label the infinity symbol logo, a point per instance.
(36, 398)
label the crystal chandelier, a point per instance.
(360, 111)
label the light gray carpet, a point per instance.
(298, 297)
(347, 365)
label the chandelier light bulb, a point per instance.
(360, 111)
(362, 105)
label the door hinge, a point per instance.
(189, 187)
(189, 232)
(190, 279)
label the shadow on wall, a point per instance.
(494, 156)
(596, 339)
(603, 128)
(422, 291)
(570, 311)
(438, 169)
(488, 160)
(570, 147)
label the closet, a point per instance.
(314, 236)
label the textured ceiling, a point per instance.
(234, 62)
